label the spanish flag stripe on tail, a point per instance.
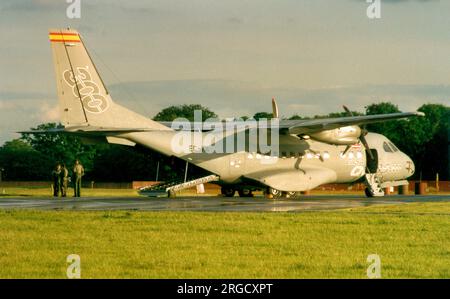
(64, 37)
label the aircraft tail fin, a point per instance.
(83, 97)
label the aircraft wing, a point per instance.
(293, 126)
(294, 180)
(317, 125)
(89, 130)
(49, 131)
(304, 126)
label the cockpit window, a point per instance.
(393, 147)
(387, 148)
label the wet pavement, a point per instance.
(216, 204)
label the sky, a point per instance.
(232, 56)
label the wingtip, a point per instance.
(419, 113)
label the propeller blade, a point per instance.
(274, 108)
(362, 137)
(347, 110)
(364, 131)
(366, 145)
(346, 149)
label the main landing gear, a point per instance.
(271, 193)
(229, 191)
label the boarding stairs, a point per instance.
(171, 187)
(372, 181)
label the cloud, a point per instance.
(49, 113)
(16, 95)
(6, 105)
(22, 114)
(235, 21)
(35, 5)
(401, 1)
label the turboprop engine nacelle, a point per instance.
(341, 136)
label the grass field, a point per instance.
(39, 191)
(413, 240)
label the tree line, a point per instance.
(33, 156)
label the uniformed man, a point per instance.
(56, 176)
(78, 172)
(64, 179)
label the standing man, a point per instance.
(78, 172)
(56, 176)
(64, 180)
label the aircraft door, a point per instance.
(372, 164)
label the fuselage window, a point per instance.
(387, 148)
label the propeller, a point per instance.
(362, 137)
(274, 108)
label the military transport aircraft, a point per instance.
(310, 152)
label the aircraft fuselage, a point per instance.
(307, 158)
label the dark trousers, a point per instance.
(77, 186)
(64, 187)
(56, 187)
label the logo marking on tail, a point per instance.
(82, 83)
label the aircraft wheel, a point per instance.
(292, 194)
(245, 192)
(172, 194)
(368, 193)
(273, 193)
(228, 191)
